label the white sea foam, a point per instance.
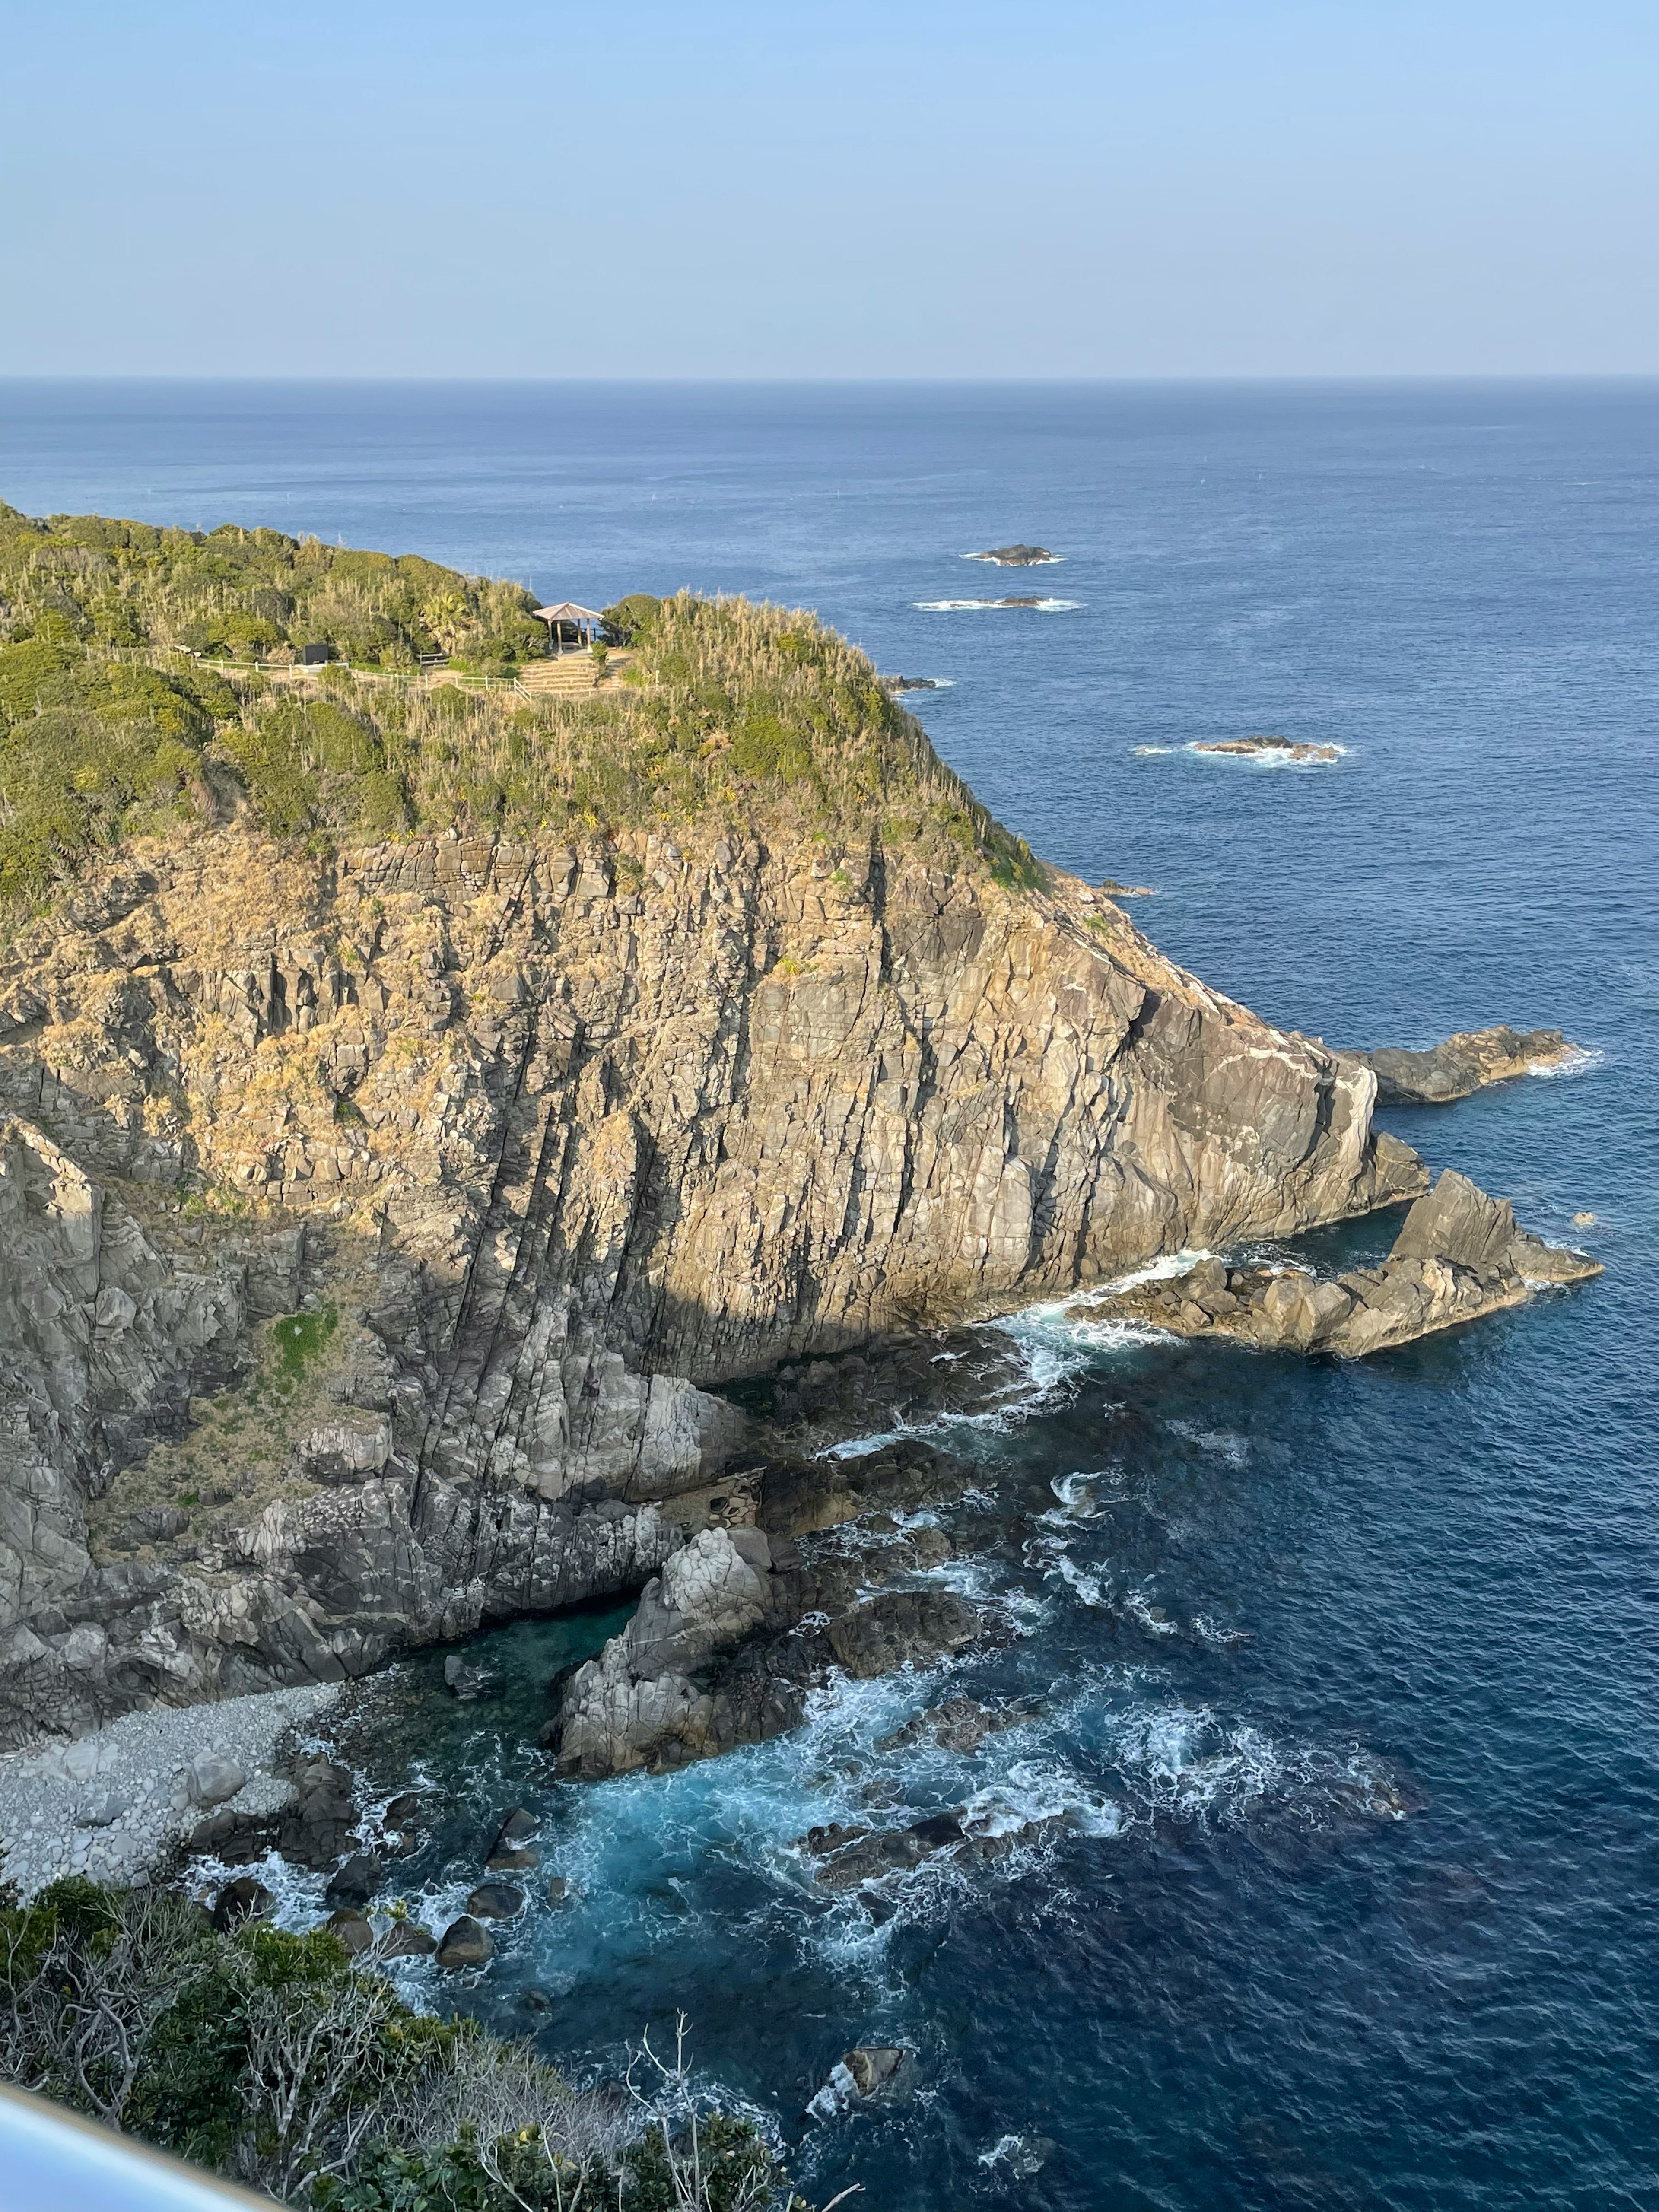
(1142, 1610)
(1212, 1632)
(1034, 1791)
(1079, 1493)
(1066, 1330)
(1579, 1061)
(1220, 1444)
(1024, 606)
(1094, 1590)
(1271, 756)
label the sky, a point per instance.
(880, 188)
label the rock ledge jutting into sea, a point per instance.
(1458, 1254)
(1465, 1063)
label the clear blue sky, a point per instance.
(875, 188)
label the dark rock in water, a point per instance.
(1016, 556)
(356, 1880)
(1021, 2156)
(558, 1893)
(352, 1929)
(800, 1496)
(318, 1828)
(1296, 749)
(853, 1855)
(496, 1900)
(900, 1628)
(1465, 1063)
(465, 1680)
(517, 1828)
(897, 683)
(1117, 890)
(1460, 1254)
(237, 1839)
(959, 1724)
(890, 1382)
(241, 1900)
(739, 1627)
(465, 1942)
(535, 2000)
(407, 1938)
(873, 2065)
(400, 1824)
(513, 1861)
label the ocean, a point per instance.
(1347, 1674)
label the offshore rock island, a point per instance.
(423, 1097)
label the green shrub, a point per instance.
(631, 620)
(268, 2055)
(731, 711)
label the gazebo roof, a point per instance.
(567, 611)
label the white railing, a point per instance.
(53, 2161)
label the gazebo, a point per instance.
(584, 621)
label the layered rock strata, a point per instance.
(1460, 1254)
(1464, 1063)
(559, 1137)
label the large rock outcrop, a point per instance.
(1460, 1254)
(742, 1621)
(559, 1138)
(1462, 1064)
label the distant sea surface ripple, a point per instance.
(1346, 1672)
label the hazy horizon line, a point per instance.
(1369, 378)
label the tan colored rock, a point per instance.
(1465, 1063)
(1460, 1254)
(561, 1154)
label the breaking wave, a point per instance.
(1044, 606)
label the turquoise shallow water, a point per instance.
(1257, 1599)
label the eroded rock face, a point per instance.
(724, 1647)
(1460, 1254)
(564, 1138)
(1465, 1063)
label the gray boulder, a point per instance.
(356, 1880)
(873, 2065)
(496, 1900)
(352, 1929)
(465, 1942)
(241, 1900)
(211, 1778)
(406, 1939)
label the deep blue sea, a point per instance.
(1258, 1597)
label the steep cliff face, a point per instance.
(541, 1142)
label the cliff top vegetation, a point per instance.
(112, 725)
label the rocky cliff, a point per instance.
(539, 1141)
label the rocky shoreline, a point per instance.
(120, 1805)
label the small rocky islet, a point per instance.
(1016, 556)
(1299, 752)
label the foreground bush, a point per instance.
(269, 2056)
